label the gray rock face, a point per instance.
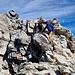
(30, 27)
(4, 33)
(62, 30)
(41, 42)
(12, 15)
(3, 46)
(20, 37)
(4, 27)
(25, 50)
(71, 45)
(34, 69)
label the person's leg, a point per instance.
(51, 37)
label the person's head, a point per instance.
(41, 20)
(48, 21)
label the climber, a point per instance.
(38, 27)
(50, 28)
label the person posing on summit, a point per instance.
(50, 28)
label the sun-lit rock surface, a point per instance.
(25, 50)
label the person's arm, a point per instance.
(44, 28)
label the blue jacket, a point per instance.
(50, 27)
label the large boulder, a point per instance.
(62, 30)
(4, 33)
(4, 27)
(30, 26)
(18, 45)
(12, 14)
(41, 42)
(20, 37)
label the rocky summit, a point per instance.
(25, 50)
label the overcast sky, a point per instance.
(63, 10)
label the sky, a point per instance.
(63, 10)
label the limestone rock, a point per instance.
(26, 50)
(0, 34)
(4, 27)
(71, 45)
(12, 15)
(41, 43)
(20, 37)
(30, 27)
(60, 59)
(3, 46)
(5, 65)
(2, 71)
(44, 68)
(67, 52)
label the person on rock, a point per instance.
(50, 28)
(38, 27)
